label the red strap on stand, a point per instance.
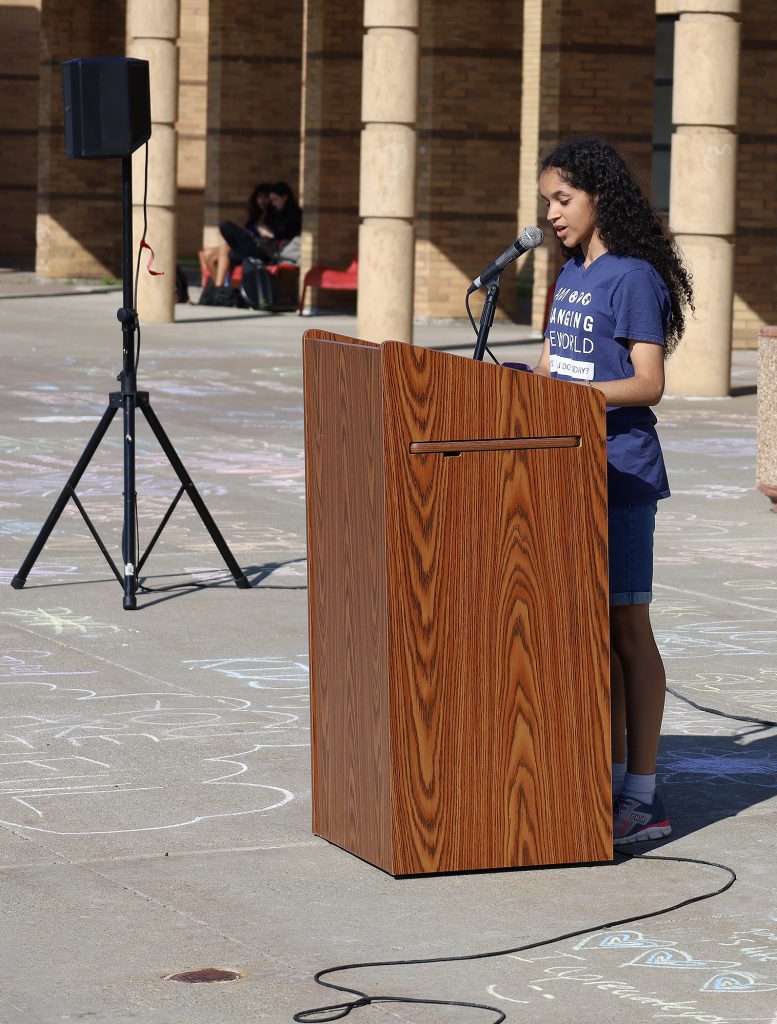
(154, 273)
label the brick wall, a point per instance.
(755, 301)
(192, 122)
(468, 149)
(254, 89)
(596, 76)
(330, 143)
(79, 201)
(590, 68)
(19, 67)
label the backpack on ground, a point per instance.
(257, 286)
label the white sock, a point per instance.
(618, 775)
(641, 787)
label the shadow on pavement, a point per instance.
(706, 779)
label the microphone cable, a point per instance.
(338, 1011)
(722, 714)
(141, 246)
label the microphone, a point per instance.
(530, 238)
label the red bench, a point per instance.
(335, 280)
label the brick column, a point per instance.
(539, 113)
(152, 30)
(254, 89)
(468, 147)
(755, 297)
(703, 187)
(388, 166)
(78, 224)
(19, 70)
(589, 67)
(331, 122)
(192, 124)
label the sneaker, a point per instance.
(208, 291)
(224, 296)
(634, 821)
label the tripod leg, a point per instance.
(191, 490)
(67, 491)
(128, 537)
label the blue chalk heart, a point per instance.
(737, 983)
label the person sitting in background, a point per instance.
(280, 241)
(218, 260)
(284, 223)
(281, 226)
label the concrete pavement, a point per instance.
(155, 789)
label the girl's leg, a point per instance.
(222, 265)
(202, 256)
(644, 683)
(237, 245)
(210, 259)
(617, 720)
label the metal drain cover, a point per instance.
(204, 974)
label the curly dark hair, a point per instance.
(627, 223)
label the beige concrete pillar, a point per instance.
(152, 30)
(703, 187)
(766, 460)
(388, 169)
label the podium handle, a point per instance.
(506, 444)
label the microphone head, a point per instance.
(530, 238)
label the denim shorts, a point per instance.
(630, 529)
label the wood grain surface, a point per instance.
(498, 619)
(459, 634)
(347, 595)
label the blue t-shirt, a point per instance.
(596, 311)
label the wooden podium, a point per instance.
(457, 553)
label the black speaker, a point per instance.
(107, 107)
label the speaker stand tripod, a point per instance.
(128, 400)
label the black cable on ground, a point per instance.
(722, 714)
(340, 1010)
(337, 1011)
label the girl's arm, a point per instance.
(646, 386)
(543, 366)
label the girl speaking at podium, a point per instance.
(617, 312)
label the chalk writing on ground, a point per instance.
(717, 639)
(596, 960)
(86, 762)
(61, 621)
(263, 672)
